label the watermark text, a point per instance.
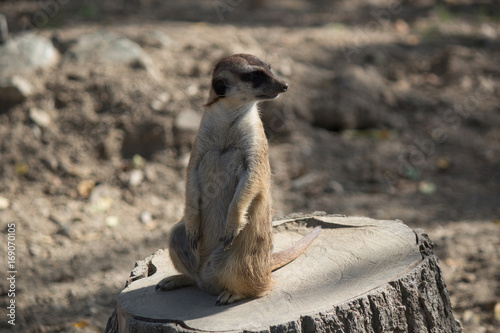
(11, 273)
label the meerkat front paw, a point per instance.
(227, 241)
(227, 297)
(233, 228)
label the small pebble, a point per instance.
(112, 221)
(285, 70)
(138, 161)
(101, 205)
(4, 203)
(85, 187)
(160, 101)
(150, 173)
(426, 187)
(443, 163)
(21, 169)
(497, 312)
(40, 117)
(146, 217)
(192, 90)
(304, 181)
(35, 250)
(136, 177)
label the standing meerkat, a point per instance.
(224, 242)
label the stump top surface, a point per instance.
(350, 257)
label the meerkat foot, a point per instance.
(174, 282)
(227, 297)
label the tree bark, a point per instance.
(359, 275)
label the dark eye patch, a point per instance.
(256, 77)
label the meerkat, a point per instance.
(224, 242)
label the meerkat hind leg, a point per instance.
(174, 282)
(183, 258)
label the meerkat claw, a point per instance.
(228, 241)
(192, 239)
(227, 297)
(224, 298)
(193, 242)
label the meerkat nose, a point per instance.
(284, 87)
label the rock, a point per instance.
(111, 145)
(285, 69)
(85, 187)
(136, 178)
(112, 221)
(192, 90)
(15, 89)
(150, 173)
(144, 139)
(102, 196)
(4, 203)
(401, 26)
(184, 161)
(101, 205)
(187, 120)
(35, 250)
(111, 48)
(186, 125)
(469, 317)
(496, 312)
(335, 187)
(427, 187)
(159, 103)
(27, 53)
(361, 98)
(49, 160)
(138, 161)
(155, 38)
(306, 180)
(40, 117)
(146, 217)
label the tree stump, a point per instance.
(359, 275)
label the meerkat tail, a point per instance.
(284, 257)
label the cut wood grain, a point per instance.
(359, 275)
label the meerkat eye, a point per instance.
(256, 77)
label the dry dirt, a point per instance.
(392, 114)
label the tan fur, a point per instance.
(224, 241)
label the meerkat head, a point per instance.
(242, 79)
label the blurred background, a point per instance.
(393, 112)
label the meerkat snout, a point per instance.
(284, 87)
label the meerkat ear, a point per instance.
(219, 86)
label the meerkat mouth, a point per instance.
(268, 96)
